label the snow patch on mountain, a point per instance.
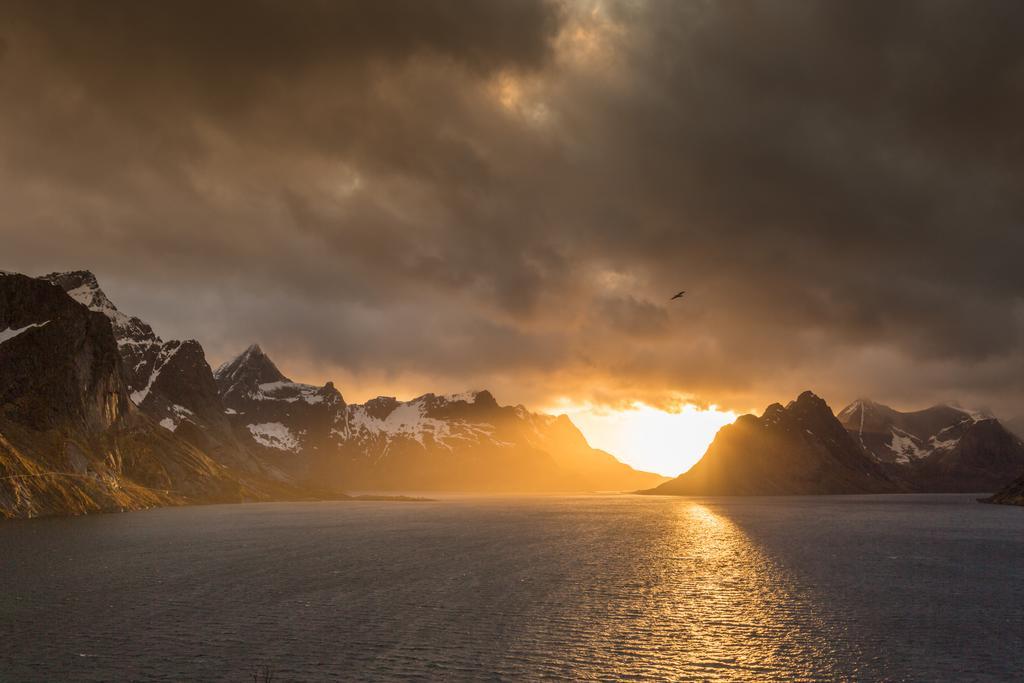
(166, 354)
(92, 297)
(177, 416)
(289, 392)
(908, 438)
(274, 435)
(939, 443)
(464, 397)
(905, 446)
(411, 420)
(11, 333)
(406, 420)
(244, 373)
(83, 287)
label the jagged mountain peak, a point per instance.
(83, 287)
(460, 405)
(862, 404)
(808, 397)
(252, 366)
(483, 398)
(809, 403)
(774, 413)
(73, 279)
(807, 407)
(474, 396)
(808, 415)
(170, 381)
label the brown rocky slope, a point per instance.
(71, 440)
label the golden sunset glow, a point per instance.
(517, 339)
(650, 439)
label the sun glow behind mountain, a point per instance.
(650, 439)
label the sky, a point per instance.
(437, 195)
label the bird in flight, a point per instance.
(678, 296)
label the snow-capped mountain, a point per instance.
(457, 441)
(100, 413)
(942, 448)
(282, 417)
(894, 437)
(169, 380)
(797, 449)
(71, 439)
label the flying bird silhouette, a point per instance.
(678, 296)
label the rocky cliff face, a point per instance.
(71, 439)
(797, 449)
(940, 449)
(455, 442)
(170, 381)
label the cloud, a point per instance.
(421, 195)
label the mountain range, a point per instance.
(97, 412)
(868, 448)
(461, 441)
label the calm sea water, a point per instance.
(589, 587)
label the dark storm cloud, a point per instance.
(506, 193)
(229, 46)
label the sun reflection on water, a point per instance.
(733, 604)
(709, 604)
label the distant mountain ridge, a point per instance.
(902, 438)
(944, 448)
(461, 441)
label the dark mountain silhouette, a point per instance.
(797, 449)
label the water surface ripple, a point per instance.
(581, 588)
